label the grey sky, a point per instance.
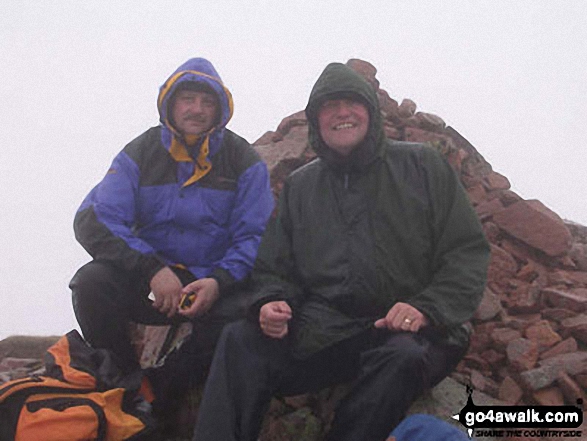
(80, 79)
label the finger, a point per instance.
(276, 333)
(274, 326)
(381, 323)
(283, 307)
(157, 301)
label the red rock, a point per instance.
(479, 342)
(391, 132)
(522, 353)
(574, 301)
(576, 326)
(296, 119)
(528, 273)
(503, 336)
(407, 108)
(475, 361)
(268, 137)
(441, 142)
(429, 121)
(581, 292)
(577, 277)
(535, 225)
(493, 357)
(366, 69)
(581, 380)
(492, 231)
(559, 279)
(478, 381)
(541, 377)
(570, 389)
(495, 181)
(518, 250)
(292, 148)
(566, 262)
(564, 347)
(522, 321)
(488, 208)
(525, 299)
(387, 105)
(551, 396)
(508, 198)
(557, 314)
(541, 332)
(477, 193)
(579, 255)
(490, 306)
(502, 266)
(510, 392)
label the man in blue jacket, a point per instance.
(180, 210)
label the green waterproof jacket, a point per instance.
(353, 236)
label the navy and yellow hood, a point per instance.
(197, 70)
(340, 81)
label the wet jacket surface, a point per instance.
(162, 203)
(354, 236)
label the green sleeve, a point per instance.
(460, 253)
(274, 275)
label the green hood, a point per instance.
(340, 81)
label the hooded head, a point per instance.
(194, 146)
(196, 74)
(339, 83)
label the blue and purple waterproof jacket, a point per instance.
(203, 208)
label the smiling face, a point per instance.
(343, 124)
(194, 112)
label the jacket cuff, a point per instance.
(225, 280)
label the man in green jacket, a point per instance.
(372, 266)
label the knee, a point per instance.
(90, 275)
(239, 334)
(407, 351)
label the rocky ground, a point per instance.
(531, 328)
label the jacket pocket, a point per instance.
(62, 419)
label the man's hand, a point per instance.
(206, 291)
(166, 288)
(273, 318)
(402, 317)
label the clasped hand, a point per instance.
(402, 317)
(168, 291)
(274, 317)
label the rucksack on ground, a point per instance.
(81, 396)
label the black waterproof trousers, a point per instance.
(106, 299)
(388, 370)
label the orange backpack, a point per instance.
(82, 396)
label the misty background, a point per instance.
(79, 80)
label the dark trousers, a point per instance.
(388, 370)
(106, 299)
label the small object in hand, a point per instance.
(187, 300)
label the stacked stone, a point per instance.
(531, 328)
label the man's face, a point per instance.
(194, 112)
(343, 124)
